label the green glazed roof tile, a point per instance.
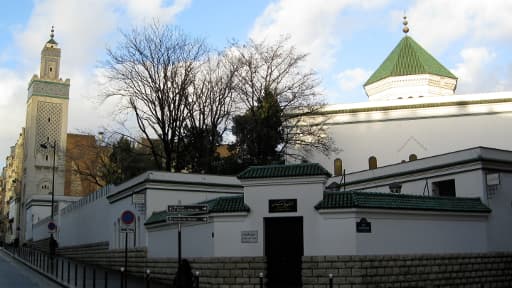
(408, 58)
(357, 199)
(52, 41)
(228, 204)
(273, 171)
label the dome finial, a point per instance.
(405, 29)
(52, 34)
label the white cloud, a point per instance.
(146, 10)
(473, 72)
(312, 26)
(438, 23)
(352, 78)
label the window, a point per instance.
(413, 157)
(338, 167)
(372, 162)
(445, 188)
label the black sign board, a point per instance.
(282, 205)
(363, 226)
(201, 208)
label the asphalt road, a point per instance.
(16, 275)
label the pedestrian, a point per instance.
(184, 276)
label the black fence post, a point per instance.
(148, 275)
(69, 271)
(106, 278)
(83, 279)
(76, 274)
(261, 280)
(93, 278)
(62, 270)
(330, 281)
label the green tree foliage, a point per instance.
(259, 132)
(127, 161)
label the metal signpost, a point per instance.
(128, 221)
(178, 218)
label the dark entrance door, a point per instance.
(284, 248)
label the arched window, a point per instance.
(413, 157)
(338, 167)
(372, 162)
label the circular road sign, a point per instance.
(52, 227)
(127, 217)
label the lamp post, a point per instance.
(54, 147)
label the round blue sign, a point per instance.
(52, 226)
(127, 217)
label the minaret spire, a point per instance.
(52, 32)
(405, 29)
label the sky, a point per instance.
(346, 40)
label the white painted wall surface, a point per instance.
(395, 233)
(392, 135)
(500, 220)
(197, 241)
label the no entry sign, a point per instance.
(127, 217)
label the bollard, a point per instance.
(106, 278)
(330, 281)
(122, 278)
(148, 275)
(197, 279)
(261, 280)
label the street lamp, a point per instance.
(54, 147)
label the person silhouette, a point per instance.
(184, 277)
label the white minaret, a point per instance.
(46, 127)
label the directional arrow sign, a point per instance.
(201, 208)
(182, 219)
(128, 229)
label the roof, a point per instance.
(408, 58)
(370, 200)
(227, 204)
(274, 171)
(52, 41)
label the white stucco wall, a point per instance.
(197, 241)
(500, 220)
(392, 135)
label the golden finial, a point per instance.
(405, 29)
(52, 34)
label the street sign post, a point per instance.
(128, 221)
(179, 218)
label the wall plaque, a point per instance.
(363, 226)
(249, 236)
(282, 205)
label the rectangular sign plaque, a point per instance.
(183, 219)
(363, 226)
(188, 208)
(249, 236)
(282, 205)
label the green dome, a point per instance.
(409, 58)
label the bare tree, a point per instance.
(210, 108)
(278, 67)
(153, 69)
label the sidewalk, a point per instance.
(68, 273)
